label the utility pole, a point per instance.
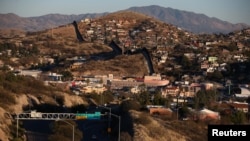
(17, 124)
(177, 104)
(108, 108)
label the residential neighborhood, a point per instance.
(198, 77)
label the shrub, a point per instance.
(130, 105)
(6, 98)
(143, 119)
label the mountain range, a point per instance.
(190, 21)
(193, 22)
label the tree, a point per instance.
(88, 81)
(238, 117)
(129, 105)
(5, 68)
(67, 75)
(34, 50)
(184, 111)
(185, 62)
(215, 76)
(168, 101)
(106, 97)
(142, 87)
(232, 47)
(144, 98)
(158, 99)
(204, 98)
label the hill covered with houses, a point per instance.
(196, 77)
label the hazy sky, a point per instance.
(234, 11)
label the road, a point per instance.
(34, 136)
(37, 130)
(94, 130)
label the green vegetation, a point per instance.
(204, 98)
(143, 119)
(145, 98)
(18, 84)
(239, 117)
(103, 98)
(128, 105)
(186, 53)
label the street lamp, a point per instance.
(73, 129)
(228, 83)
(109, 108)
(119, 118)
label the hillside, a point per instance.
(148, 128)
(21, 94)
(62, 42)
(52, 99)
(193, 22)
(131, 31)
(31, 24)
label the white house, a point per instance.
(242, 92)
(33, 73)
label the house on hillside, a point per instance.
(76, 65)
(241, 92)
(204, 114)
(34, 73)
(155, 80)
(159, 110)
(244, 107)
(228, 108)
(170, 91)
(99, 89)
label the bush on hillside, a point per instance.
(6, 98)
(18, 84)
(130, 105)
(143, 119)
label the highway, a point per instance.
(38, 127)
(34, 136)
(94, 130)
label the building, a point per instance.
(159, 110)
(99, 89)
(55, 77)
(155, 80)
(34, 73)
(170, 91)
(206, 114)
(240, 106)
(241, 92)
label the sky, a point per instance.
(234, 11)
